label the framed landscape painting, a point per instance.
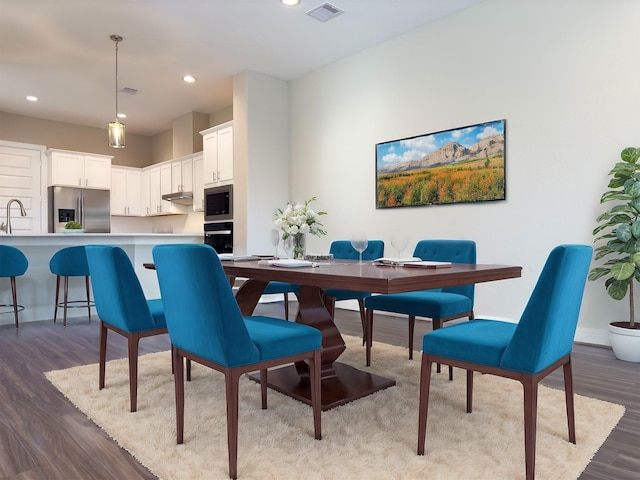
(461, 165)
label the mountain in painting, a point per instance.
(452, 153)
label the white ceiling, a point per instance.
(60, 51)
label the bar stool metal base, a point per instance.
(14, 309)
(65, 304)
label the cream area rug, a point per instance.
(372, 438)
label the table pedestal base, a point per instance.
(347, 385)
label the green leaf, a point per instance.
(632, 187)
(623, 270)
(623, 232)
(618, 290)
(630, 154)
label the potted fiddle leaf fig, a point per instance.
(618, 239)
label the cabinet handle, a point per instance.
(79, 182)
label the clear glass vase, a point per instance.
(299, 246)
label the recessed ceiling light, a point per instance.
(32, 98)
(189, 78)
(122, 115)
(290, 3)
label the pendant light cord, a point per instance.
(117, 39)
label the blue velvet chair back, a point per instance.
(455, 251)
(342, 249)
(548, 323)
(197, 297)
(70, 262)
(117, 292)
(13, 262)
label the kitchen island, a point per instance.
(37, 287)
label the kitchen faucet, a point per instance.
(23, 212)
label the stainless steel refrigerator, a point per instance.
(89, 207)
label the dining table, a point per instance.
(343, 383)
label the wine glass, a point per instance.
(359, 243)
(399, 242)
(275, 240)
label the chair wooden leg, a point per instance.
(86, 284)
(286, 306)
(425, 383)
(232, 379)
(316, 393)
(369, 336)
(568, 393)
(65, 298)
(263, 387)
(178, 379)
(55, 308)
(530, 416)
(436, 323)
(133, 340)
(363, 320)
(102, 355)
(412, 326)
(469, 391)
(14, 297)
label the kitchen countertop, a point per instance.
(36, 288)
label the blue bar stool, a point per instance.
(70, 262)
(13, 264)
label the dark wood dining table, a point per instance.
(342, 383)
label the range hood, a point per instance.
(181, 198)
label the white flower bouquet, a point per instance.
(299, 219)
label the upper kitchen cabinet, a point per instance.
(182, 175)
(79, 169)
(125, 191)
(217, 147)
(198, 183)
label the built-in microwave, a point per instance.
(219, 235)
(218, 203)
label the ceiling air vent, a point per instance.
(325, 12)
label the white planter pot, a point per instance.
(625, 343)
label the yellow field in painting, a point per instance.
(475, 180)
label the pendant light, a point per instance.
(116, 129)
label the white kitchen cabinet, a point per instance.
(166, 186)
(217, 147)
(164, 178)
(126, 191)
(145, 197)
(198, 183)
(182, 175)
(154, 191)
(78, 169)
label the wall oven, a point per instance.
(218, 217)
(218, 203)
(219, 235)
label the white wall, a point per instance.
(565, 76)
(261, 158)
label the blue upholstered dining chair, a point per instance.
(13, 263)
(70, 262)
(528, 351)
(283, 288)
(440, 305)
(342, 249)
(206, 326)
(122, 308)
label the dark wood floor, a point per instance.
(43, 436)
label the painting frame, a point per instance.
(459, 165)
